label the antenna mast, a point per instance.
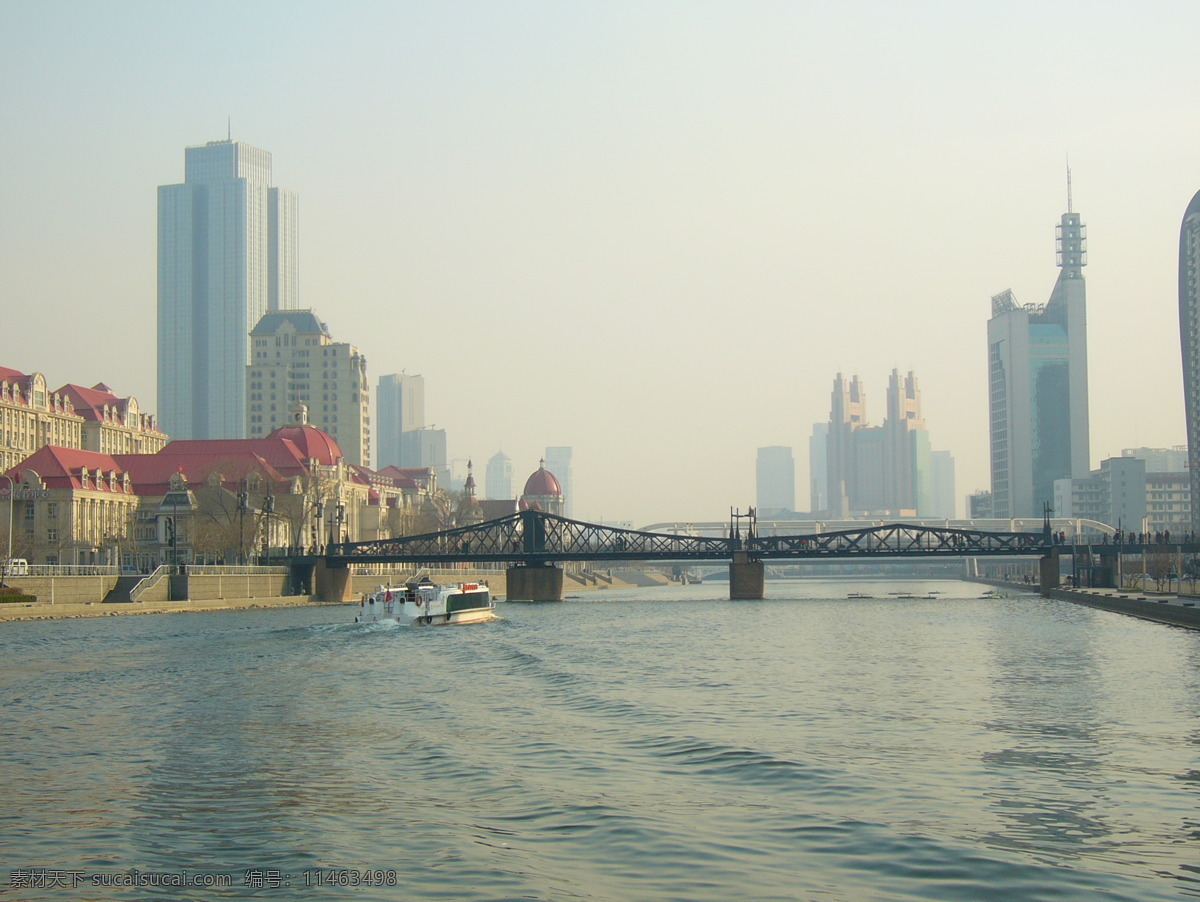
(1070, 205)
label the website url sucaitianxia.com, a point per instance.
(255, 878)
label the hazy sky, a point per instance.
(654, 231)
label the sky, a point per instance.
(654, 231)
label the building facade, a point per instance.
(295, 361)
(227, 254)
(400, 408)
(1189, 336)
(32, 416)
(1038, 385)
(775, 480)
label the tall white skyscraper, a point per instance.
(227, 254)
(400, 408)
(558, 462)
(1189, 339)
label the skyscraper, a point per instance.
(400, 409)
(227, 254)
(1037, 384)
(1189, 339)
(775, 480)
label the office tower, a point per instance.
(400, 409)
(296, 361)
(847, 415)
(1037, 384)
(907, 477)
(818, 476)
(558, 462)
(498, 481)
(775, 480)
(226, 256)
(1189, 339)
(878, 469)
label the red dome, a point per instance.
(542, 482)
(313, 443)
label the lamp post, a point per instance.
(341, 519)
(12, 492)
(268, 509)
(243, 500)
(318, 520)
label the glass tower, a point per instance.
(1037, 381)
(1189, 339)
(227, 249)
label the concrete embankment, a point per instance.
(1173, 609)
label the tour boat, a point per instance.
(421, 602)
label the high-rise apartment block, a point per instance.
(296, 361)
(886, 468)
(227, 254)
(1189, 338)
(775, 480)
(400, 408)
(1038, 385)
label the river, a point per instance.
(660, 744)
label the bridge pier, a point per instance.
(746, 578)
(1048, 572)
(544, 583)
(333, 583)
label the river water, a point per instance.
(662, 744)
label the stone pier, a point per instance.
(535, 583)
(333, 584)
(746, 578)
(1048, 571)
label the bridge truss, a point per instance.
(537, 538)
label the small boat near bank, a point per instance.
(422, 602)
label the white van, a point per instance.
(17, 566)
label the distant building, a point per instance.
(878, 469)
(113, 425)
(775, 480)
(227, 254)
(818, 475)
(558, 461)
(1115, 494)
(498, 481)
(1038, 385)
(979, 505)
(943, 485)
(1161, 460)
(400, 408)
(426, 447)
(296, 361)
(1189, 336)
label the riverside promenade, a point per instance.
(1177, 610)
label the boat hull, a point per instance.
(426, 604)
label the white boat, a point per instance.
(421, 602)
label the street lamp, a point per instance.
(318, 521)
(341, 519)
(268, 509)
(243, 499)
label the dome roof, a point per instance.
(542, 482)
(313, 443)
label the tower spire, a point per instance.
(1070, 204)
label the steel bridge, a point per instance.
(534, 538)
